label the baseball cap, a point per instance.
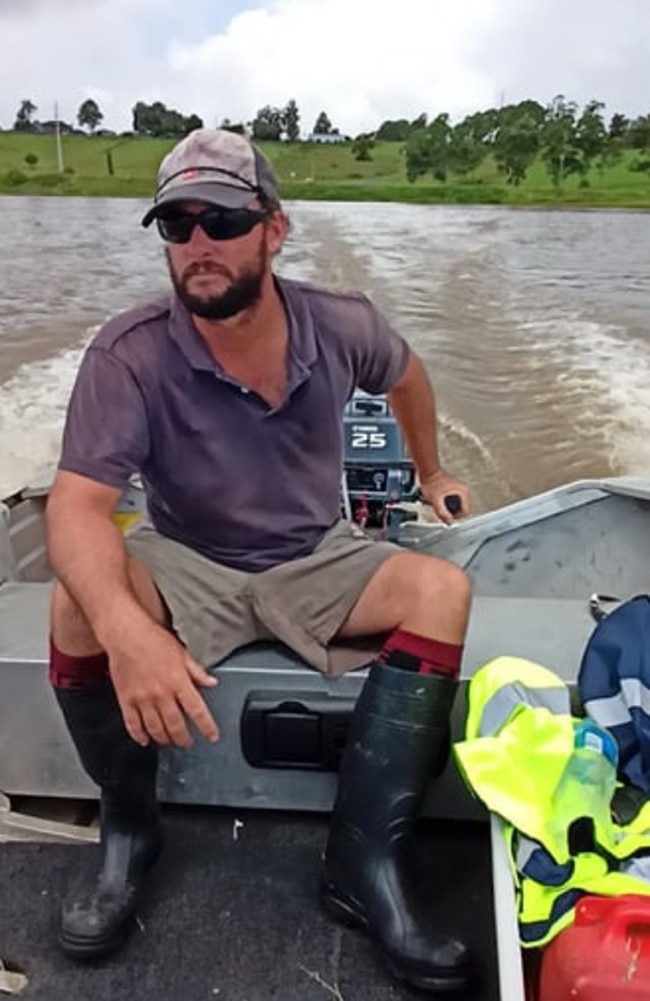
(217, 167)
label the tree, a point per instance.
(417, 152)
(618, 127)
(428, 149)
(192, 122)
(611, 153)
(89, 114)
(616, 141)
(322, 125)
(142, 119)
(24, 114)
(535, 111)
(638, 133)
(291, 121)
(591, 137)
(419, 122)
(479, 128)
(560, 152)
(393, 131)
(237, 127)
(467, 145)
(362, 146)
(267, 124)
(157, 120)
(517, 139)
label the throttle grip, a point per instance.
(453, 503)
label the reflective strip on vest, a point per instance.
(615, 710)
(512, 681)
(536, 863)
(498, 710)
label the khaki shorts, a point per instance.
(303, 603)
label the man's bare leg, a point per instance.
(69, 627)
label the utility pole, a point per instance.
(59, 149)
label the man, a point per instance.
(228, 397)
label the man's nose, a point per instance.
(199, 237)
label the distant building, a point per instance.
(325, 137)
(49, 128)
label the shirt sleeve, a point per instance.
(106, 435)
(383, 356)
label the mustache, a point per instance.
(205, 268)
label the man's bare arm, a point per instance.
(87, 553)
(155, 678)
(413, 402)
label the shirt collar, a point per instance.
(185, 335)
(302, 339)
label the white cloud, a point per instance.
(65, 51)
(584, 49)
(359, 60)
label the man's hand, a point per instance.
(156, 683)
(434, 490)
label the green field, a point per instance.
(305, 171)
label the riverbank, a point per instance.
(124, 167)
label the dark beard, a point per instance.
(244, 292)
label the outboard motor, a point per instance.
(378, 473)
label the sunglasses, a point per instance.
(216, 223)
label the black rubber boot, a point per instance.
(96, 922)
(397, 741)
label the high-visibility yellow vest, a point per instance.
(551, 777)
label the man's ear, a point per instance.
(277, 230)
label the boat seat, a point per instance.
(37, 757)
(552, 631)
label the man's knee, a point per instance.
(444, 578)
(76, 659)
(440, 600)
(433, 579)
(70, 629)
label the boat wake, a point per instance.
(33, 404)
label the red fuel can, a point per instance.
(603, 956)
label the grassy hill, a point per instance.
(305, 171)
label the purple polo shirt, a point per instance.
(245, 484)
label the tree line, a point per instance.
(568, 139)
(270, 124)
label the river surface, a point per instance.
(534, 325)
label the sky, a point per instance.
(360, 61)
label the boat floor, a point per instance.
(233, 915)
